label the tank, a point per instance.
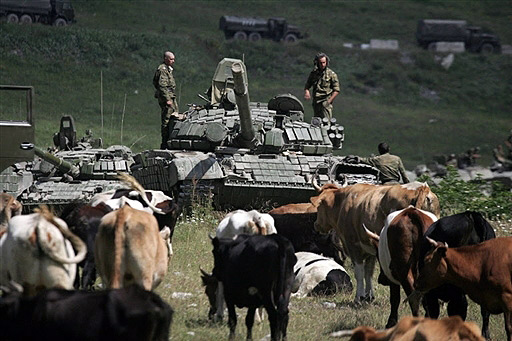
(247, 154)
(70, 172)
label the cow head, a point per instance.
(211, 284)
(324, 204)
(434, 267)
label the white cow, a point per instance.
(315, 274)
(37, 252)
(233, 224)
(243, 222)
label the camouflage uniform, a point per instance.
(165, 86)
(324, 83)
(390, 166)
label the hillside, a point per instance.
(120, 43)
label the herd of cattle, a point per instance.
(125, 237)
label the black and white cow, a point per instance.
(270, 259)
(319, 275)
(121, 314)
(466, 228)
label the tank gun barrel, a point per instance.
(242, 101)
(63, 166)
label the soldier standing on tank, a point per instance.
(390, 166)
(325, 87)
(165, 86)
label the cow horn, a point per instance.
(432, 241)
(370, 233)
(315, 184)
(211, 236)
(342, 333)
(204, 273)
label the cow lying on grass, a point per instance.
(482, 271)
(418, 328)
(105, 315)
(318, 275)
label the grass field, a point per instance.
(310, 318)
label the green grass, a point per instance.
(121, 42)
(309, 318)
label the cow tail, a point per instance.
(281, 295)
(119, 240)
(136, 186)
(76, 242)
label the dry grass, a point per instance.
(310, 318)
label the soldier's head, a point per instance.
(321, 61)
(383, 148)
(169, 58)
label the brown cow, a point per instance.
(130, 249)
(294, 208)
(398, 250)
(345, 210)
(9, 207)
(418, 328)
(483, 271)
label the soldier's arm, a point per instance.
(335, 86)
(401, 169)
(309, 84)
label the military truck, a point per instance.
(431, 31)
(254, 29)
(51, 12)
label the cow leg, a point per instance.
(431, 305)
(458, 305)
(88, 275)
(369, 267)
(231, 320)
(219, 315)
(394, 299)
(249, 322)
(485, 324)
(359, 274)
(272, 319)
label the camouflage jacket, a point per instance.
(164, 83)
(390, 166)
(323, 83)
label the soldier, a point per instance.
(325, 86)
(390, 166)
(165, 86)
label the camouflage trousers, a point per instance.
(322, 109)
(168, 116)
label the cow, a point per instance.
(299, 229)
(418, 328)
(318, 275)
(234, 223)
(264, 277)
(293, 208)
(106, 315)
(129, 248)
(467, 228)
(84, 220)
(398, 248)
(345, 210)
(9, 207)
(165, 210)
(37, 252)
(243, 222)
(483, 271)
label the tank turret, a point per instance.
(247, 154)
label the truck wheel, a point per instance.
(60, 22)
(290, 38)
(26, 19)
(240, 35)
(12, 18)
(487, 48)
(254, 36)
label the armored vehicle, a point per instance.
(254, 29)
(51, 12)
(247, 154)
(73, 171)
(430, 31)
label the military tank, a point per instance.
(247, 154)
(71, 172)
